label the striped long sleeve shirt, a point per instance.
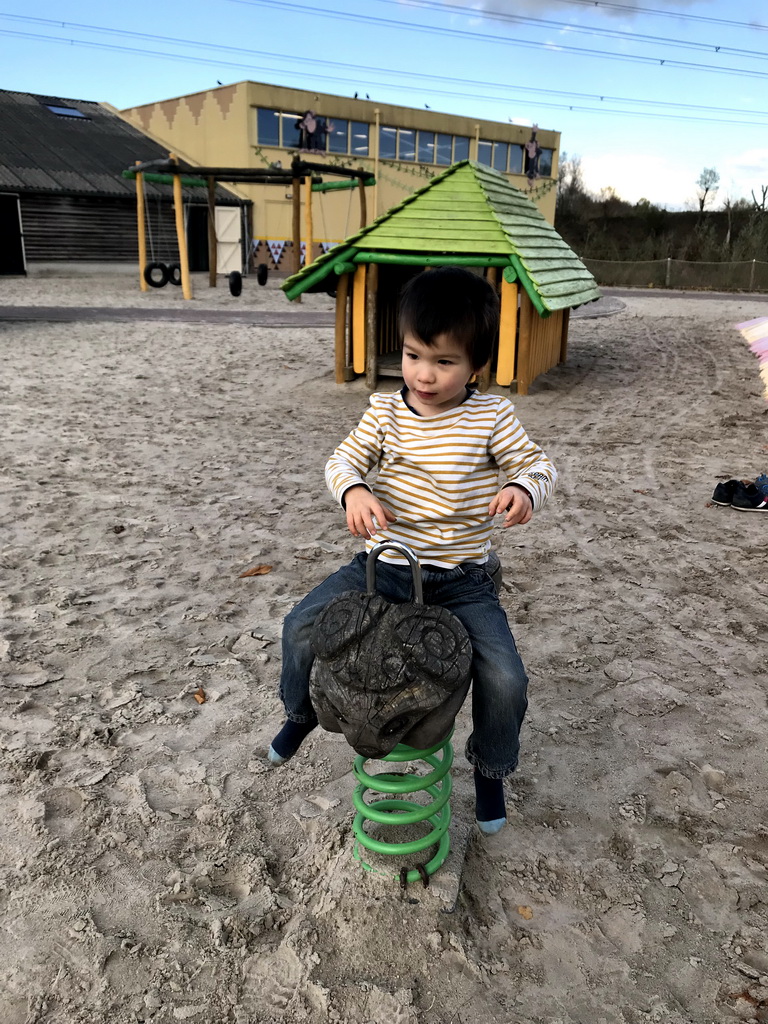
(438, 474)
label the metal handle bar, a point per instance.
(410, 557)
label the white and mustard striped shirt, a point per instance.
(438, 474)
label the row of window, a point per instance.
(277, 128)
(511, 158)
(338, 135)
(423, 147)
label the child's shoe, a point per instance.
(748, 498)
(288, 740)
(724, 492)
(490, 812)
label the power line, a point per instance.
(592, 30)
(314, 75)
(429, 78)
(282, 5)
(606, 5)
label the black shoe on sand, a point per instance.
(724, 492)
(748, 498)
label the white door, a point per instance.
(228, 239)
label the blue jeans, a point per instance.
(499, 682)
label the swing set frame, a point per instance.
(178, 173)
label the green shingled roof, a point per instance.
(468, 209)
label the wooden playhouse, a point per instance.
(469, 216)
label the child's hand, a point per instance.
(516, 502)
(362, 508)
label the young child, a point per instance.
(439, 447)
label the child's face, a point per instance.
(436, 375)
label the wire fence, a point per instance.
(743, 276)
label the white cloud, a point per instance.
(747, 169)
(665, 181)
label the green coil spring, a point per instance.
(406, 812)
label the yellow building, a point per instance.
(253, 125)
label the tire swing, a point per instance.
(157, 274)
(262, 273)
(235, 282)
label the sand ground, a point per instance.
(154, 869)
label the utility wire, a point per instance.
(591, 30)
(432, 30)
(506, 98)
(484, 83)
(606, 5)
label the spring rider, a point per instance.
(392, 678)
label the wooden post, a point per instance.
(358, 319)
(564, 336)
(142, 228)
(527, 313)
(363, 203)
(308, 218)
(484, 380)
(376, 141)
(296, 193)
(178, 203)
(342, 290)
(505, 364)
(371, 332)
(212, 253)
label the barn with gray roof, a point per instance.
(62, 195)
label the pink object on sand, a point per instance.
(755, 333)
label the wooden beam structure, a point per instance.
(505, 362)
(181, 235)
(358, 319)
(142, 229)
(212, 247)
(371, 328)
(340, 333)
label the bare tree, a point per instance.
(707, 186)
(759, 204)
(570, 184)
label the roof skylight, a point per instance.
(65, 111)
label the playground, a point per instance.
(155, 869)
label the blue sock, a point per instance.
(490, 810)
(288, 740)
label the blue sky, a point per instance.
(605, 74)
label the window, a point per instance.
(387, 143)
(460, 149)
(359, 140)
(66, 111)
(443, 149)
(484, 151)
(516, 159)
(268, 127)
(426, 147)
(338, 135)
(500, 156)
(290, 134)
(407, 144)
(544, 163)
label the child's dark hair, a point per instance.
(453, 301)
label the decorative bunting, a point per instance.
(303, 253)
(276, 248)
